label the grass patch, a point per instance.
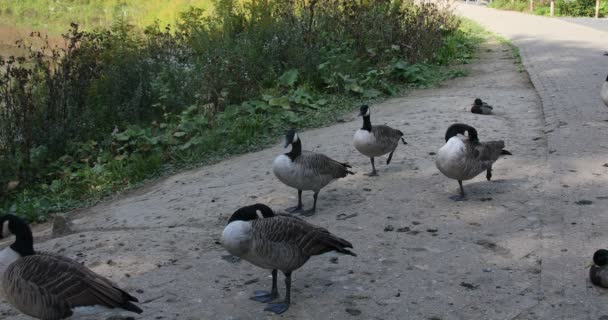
(120, 106)
(563, 8)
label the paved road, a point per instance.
(566, 65)
(599, 24)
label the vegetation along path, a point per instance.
(517, 249)
(566, 65)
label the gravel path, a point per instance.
(566, 65)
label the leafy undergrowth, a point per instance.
(118, 107)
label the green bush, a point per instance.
(116, 106)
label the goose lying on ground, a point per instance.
(463, 158)
(481, 107)
(277, 242)
(49, 286)
(305, 170)
(375, 141)
(598, 273)
(604, 92)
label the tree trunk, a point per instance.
(531, 5)
(552, 8)
(597, 8)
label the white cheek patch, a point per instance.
(259, 213)
(5, 231)
(295, 138)
(367, 113)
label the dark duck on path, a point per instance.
(463, 158)
(277, 242)
(377, 140)
(481, 107)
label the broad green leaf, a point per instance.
(179, 134)
(371, 93)
(289, 78)
(280, 101)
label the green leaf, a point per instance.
(289, 78)
(354, 87)
(122, 136)
(371, 93)
(280, 101)
(179, 134)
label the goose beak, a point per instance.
(286, 144)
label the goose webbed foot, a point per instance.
(264, 296)
(372, 174)
(278, 307)
(295, 209)
(308, 213)
(458, 198)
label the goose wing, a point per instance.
(48, 286)
(300, 235)
(488, 151)
(386, 136)
(324, 165)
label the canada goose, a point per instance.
(377, 140)
(463, 158)
(481, 107)
(306, 170)
(49, 286)
(604, 93)
(598, 272)
(277, 242)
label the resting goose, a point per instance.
(49, 286)
(306, 170)
(598, 273)
(604, 93)
(481, 107)
(375, 141)
(277, 242)
(463, 158)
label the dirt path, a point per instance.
(567, 67)
(421, 256)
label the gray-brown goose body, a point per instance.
(463, 158)
(306, 170)
(375, 141)
(49, 286)
(277, 242)
(598, 272)
(604, 92)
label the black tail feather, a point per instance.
(506, 152)
(131, 307)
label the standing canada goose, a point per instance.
(604, 93)
(463, 158)
(481, 107)
(277, 242)
(306, 170)
(598, 273)
(377, 140)
(49, 286)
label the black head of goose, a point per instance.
(277, 242)
(604, 93)
(463, 157)
(598, 272)
(49, 286)
(306, 170)
(481, 107)
(375, 141)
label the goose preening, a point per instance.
(598, 272)
(49, 286)
(604, 92)
(463, 158)
(277, 242)
(375, 141)
(306, 170)
(481, 107)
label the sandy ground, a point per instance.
(420, 255)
